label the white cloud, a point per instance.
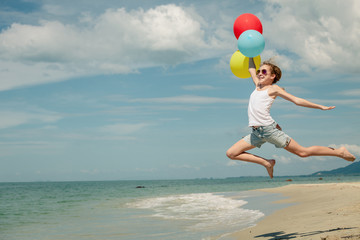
(17, 74)
(281, 60)
(353, 148)
(123, 128)
(198, 87)
(15, 118)
(191, 99)
(184, 166)
(117, 41)
(282, 159)
(323, 34)
(232, 163)
(352, 92)
(310, 34)
(348, 102)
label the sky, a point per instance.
(139, 89)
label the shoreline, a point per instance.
(327, 211)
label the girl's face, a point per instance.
(264, 75)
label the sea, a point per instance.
(138, 210)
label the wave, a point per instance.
(201, 210)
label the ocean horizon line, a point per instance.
(189, 179)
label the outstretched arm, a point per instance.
(278, 91)
(252, 71)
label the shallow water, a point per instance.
(167, 209)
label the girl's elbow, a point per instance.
(297, 102)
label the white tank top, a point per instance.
(259, 108)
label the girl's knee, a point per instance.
(297, 149)
(302, 154)
(237, 149)
(231, 154)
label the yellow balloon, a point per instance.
(239, 64)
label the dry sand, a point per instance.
(320, 211)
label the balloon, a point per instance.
(251, 43)
(247, 21)
(239, 64)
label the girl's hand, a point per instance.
(327, 108)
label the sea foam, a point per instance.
(202, 211)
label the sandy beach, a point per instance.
(319, 212)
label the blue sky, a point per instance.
(111, 90)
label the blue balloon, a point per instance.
(251, 43)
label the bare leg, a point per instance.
(301, 151)
(237, 152)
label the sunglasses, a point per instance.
(263, 71)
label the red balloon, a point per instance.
(246, 21)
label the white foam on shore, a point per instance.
(202, 211)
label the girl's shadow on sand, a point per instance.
(283, 235)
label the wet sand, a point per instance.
(318, 211)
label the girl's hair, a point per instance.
(274, 69)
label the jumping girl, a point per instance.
(265, 129)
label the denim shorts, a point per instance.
(270, 133)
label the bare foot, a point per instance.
(270, 168)
(345, 154)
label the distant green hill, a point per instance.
(352, 169)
